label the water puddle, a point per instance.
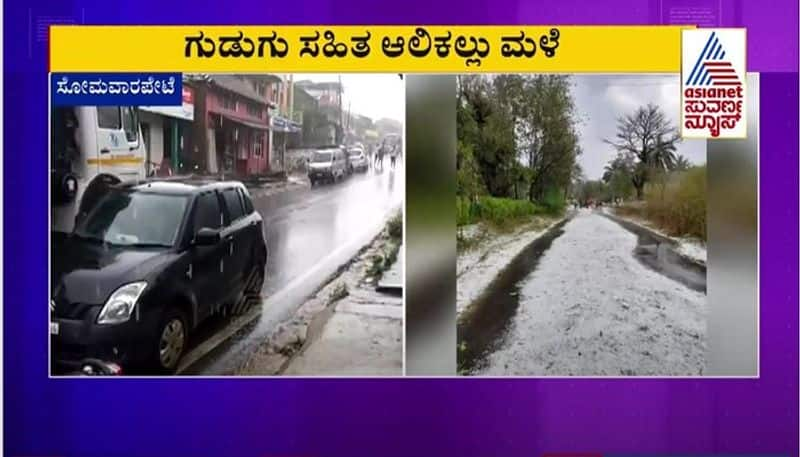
(484, 324)
(659, 254)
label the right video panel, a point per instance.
(582, 231)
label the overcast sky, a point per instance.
(600, 99)
(373, 95)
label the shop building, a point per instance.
(231, 132)
(166, 131)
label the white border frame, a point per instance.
(405, 294)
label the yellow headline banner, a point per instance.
(395, 49)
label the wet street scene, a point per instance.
(255, 232)
(589, 298)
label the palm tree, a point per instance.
(662, 157)
(681, 163)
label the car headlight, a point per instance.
(121, 303)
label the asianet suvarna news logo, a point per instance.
(713, 73)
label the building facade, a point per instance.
(322, 119)
(231, 131)
(284, 130)
(166, 130)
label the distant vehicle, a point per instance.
(328, 164)
(358, 160)
(146, 266)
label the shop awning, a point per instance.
(250, 124)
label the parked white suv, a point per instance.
(328, 165)
(358, 160)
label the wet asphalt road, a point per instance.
(310, 233)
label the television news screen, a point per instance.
(349, 229)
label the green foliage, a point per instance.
(395, 227)
(554, 201)
(516, 136)
(594, 191)
(388, 255)
(383, 261)
(468, 179)
(494, 210)
(676, 204)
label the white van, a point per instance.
(91, 148)
(327, 164)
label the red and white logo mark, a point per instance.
(713, 84)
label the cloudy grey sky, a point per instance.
(372, 95)
(600, 99)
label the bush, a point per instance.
(494, 210)
(395, 227)
(678, 204)
(338, 293)
(383, 261)
(554, 201)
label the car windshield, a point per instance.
(135, 219)
(355, 153)
(321, 157)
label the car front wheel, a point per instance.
(173, 336)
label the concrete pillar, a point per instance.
(176, 140)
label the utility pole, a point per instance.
(341, 114)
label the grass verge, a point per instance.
(496, 211)
(383, 261)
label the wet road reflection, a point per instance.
(310, 233)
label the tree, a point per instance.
(681, 163)
(649, 139)
(516, 136)
(617, 175)
(544, 128)
(593, 191)
(485, 130)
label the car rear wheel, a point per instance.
(255, 279)
(172, 338)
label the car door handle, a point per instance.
(105, 151)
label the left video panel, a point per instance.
(252, 228)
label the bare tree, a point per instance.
(649, 138)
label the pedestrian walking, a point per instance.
(379, 156)
(393, 156)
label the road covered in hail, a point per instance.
(589, 307)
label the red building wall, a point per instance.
(247, 162)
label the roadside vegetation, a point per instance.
(648, 180)
(677, 206)
(495, 210)
(338, 293)
(383, 261)
(517, 148)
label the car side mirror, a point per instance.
(206, 237)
